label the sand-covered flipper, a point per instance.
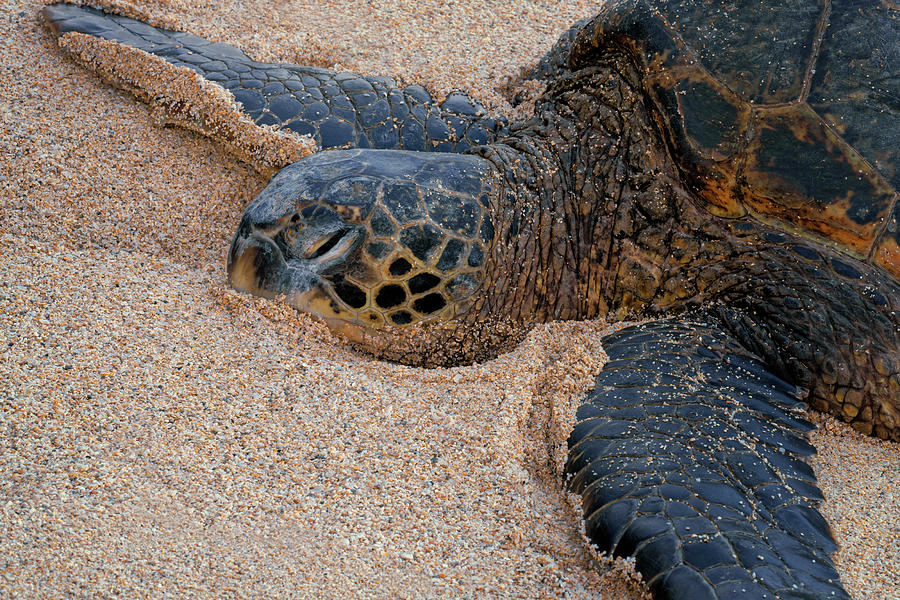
(688, 455)
(335, 109)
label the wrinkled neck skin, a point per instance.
(594, 221)
(586, 156)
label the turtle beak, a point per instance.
(256, 264)
(288, 259)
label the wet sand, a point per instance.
(164, 436)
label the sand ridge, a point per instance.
(163, 436)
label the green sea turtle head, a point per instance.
(390, 248)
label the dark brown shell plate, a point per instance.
(789, 111)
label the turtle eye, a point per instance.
(326, 243)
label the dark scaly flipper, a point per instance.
(688, 455)
(336, 109)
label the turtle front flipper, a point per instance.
(688, 455)
(335, 109)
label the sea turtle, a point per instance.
(728, 171)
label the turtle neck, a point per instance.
(577, 178)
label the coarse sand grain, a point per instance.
(163, 436)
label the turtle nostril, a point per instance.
(329, 243)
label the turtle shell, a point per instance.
(787, 111)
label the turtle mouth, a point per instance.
(287, 263)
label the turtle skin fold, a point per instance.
(688, 454)
(336, 109)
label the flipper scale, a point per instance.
(688, 455)
(336, 109)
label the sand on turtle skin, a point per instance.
(163, 436)
(182, 98)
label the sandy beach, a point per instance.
(164, 436)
